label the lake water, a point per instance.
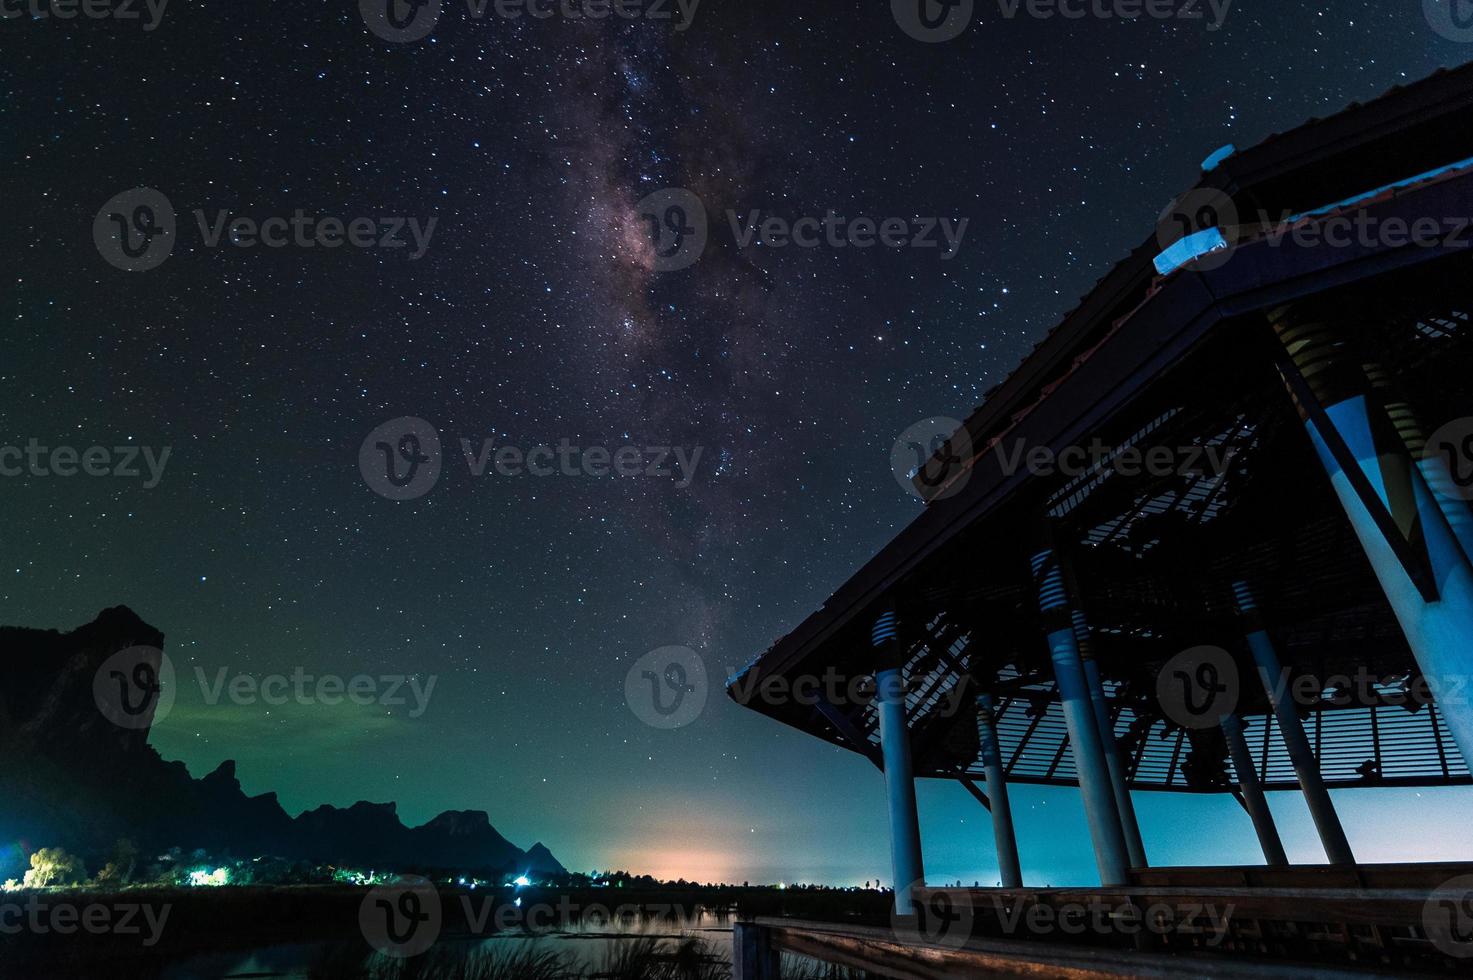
(588, 948)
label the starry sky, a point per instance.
(539, 313)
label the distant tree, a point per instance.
(121, 865)
(53, 866)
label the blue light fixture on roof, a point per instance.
(1218, 156)
(1190, 249)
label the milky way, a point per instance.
(540, 312)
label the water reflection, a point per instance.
(668, 946)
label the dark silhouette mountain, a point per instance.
(72, 777)
(540, 860)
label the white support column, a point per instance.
(1100, 808)
(1254, 800)
(1009, 868)
(1306, 766)
(905, 828)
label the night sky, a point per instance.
(538, 313)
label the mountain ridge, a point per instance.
(82, 782)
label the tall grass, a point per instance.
(449, 963)
(651, 958)
(645, 958)
(802, 968)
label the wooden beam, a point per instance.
(972, 788)
(890, 953)
(847, 728)
(752, 954)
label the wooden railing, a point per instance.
(1229, 922)
(760, 943)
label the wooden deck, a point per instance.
(759, 942)
(1318, 920)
